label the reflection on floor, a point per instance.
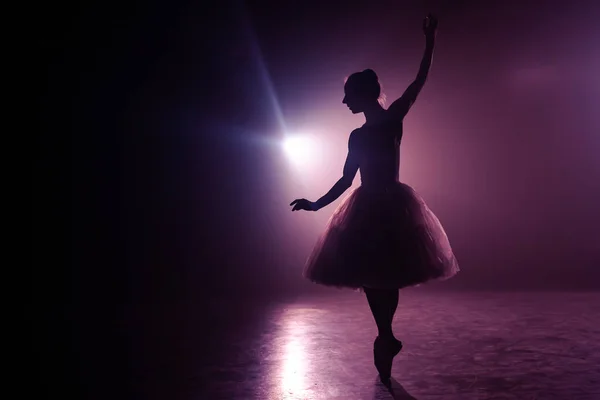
(456, 346)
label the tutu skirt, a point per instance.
(383, 238)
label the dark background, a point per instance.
(159, 182)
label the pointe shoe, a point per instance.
(384, 352)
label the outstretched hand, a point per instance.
(303, 204)
(430, 24)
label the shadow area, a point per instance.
(395, 389)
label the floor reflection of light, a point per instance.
(294, 363)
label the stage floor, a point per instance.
(463, 346)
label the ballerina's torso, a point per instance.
(377, 148)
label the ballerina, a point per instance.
(383, 236)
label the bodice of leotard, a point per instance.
(377, 148)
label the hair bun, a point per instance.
(370, 74)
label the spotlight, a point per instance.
(299, 149)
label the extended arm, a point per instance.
(401, 106)
(350, 169)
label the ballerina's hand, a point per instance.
(430, 24)
(303, 204)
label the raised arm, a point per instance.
(349, 172)
(400, 107)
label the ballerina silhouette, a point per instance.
(383, 236)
